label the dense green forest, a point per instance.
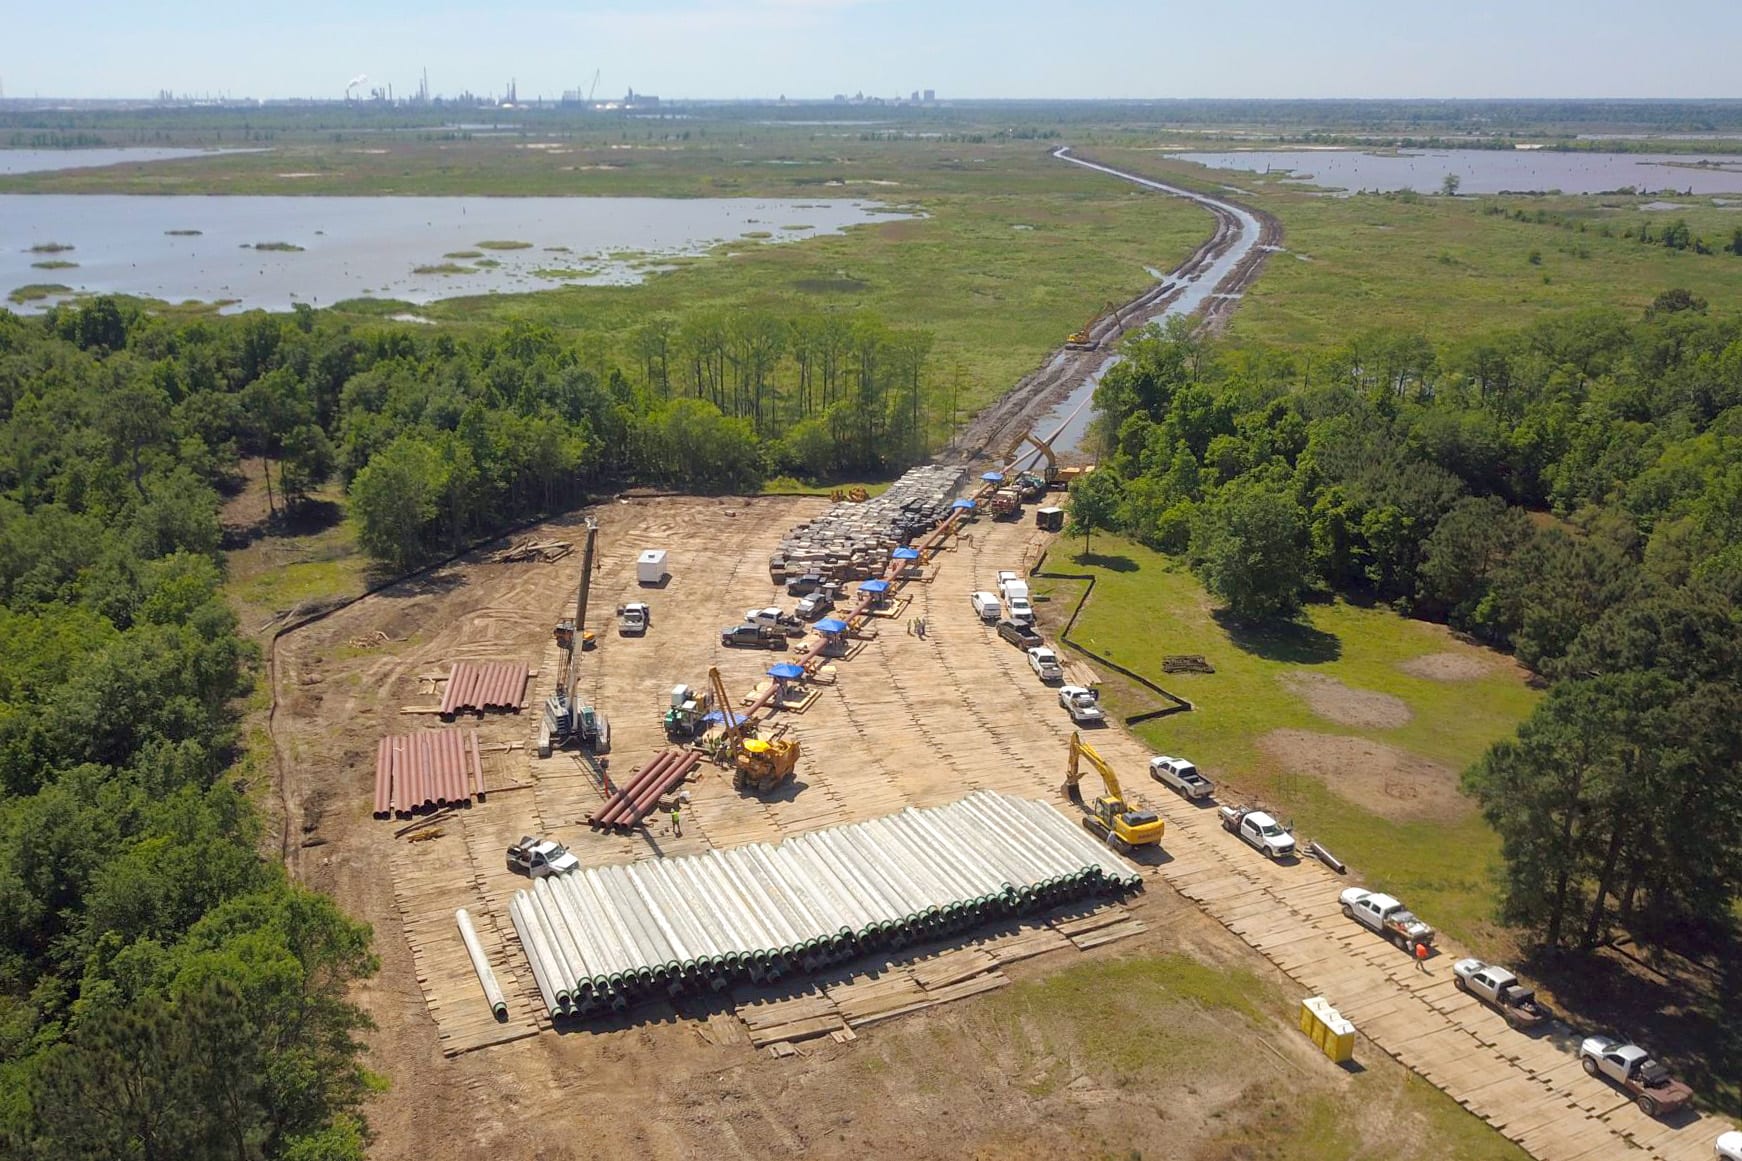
(164, 992)
(1571, 492)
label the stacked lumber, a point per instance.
(485, 685)
(853, 541)
(425, 770)
(529, 550)
(1186, 663)
(801, 1017)
(1103, 925)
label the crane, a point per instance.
(1110, 817)
(564, 720)
(593, 87)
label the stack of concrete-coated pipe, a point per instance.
(633, 801)
(608, 937)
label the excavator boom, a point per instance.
(1110, 816)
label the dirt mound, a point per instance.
(1390, 782)
(1447, 667)
(1336, 702)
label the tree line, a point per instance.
(1571, 491)
(164, 992)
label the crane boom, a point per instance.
(571, 670)
(734, 730)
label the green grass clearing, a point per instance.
(504, 245)
(1146, 605)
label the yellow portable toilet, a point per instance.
(1327, 1028)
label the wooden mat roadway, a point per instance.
(1529, 1087)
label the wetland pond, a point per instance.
(1489, 171)
(273, 252)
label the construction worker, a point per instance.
(677, 819)
(1421, 953)
(921, 625)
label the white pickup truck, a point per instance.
(1181, 775)
(1045, 664)
(1083, 705)
(633, 619)
(1500, 990)
(1387, 916)
(1257, 829)
(540, 857)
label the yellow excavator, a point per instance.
(757, 764)
(1084, 340)
(1110, 817)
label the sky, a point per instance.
(817, 48)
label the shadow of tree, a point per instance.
(309, 518)
(1676, 1009)
(1110, 563)
(1295, 642)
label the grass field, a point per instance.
(1446, 268)
(1158, 1023)
(1146, 605)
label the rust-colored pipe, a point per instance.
(607, 815)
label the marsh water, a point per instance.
(321, 250)
(51, 160)
(1490, 171)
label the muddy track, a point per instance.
(1064, 370)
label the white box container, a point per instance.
(650, 567)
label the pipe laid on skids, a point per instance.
(486, 977)
(618, 935)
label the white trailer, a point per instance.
(650, 567)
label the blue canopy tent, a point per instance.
(905, 553)
(786, 671)
(874, 586)
(992, 477)
(831, 626)
(713, 716)
(968, 504)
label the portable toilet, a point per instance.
(1327, 1028)
(650, 567)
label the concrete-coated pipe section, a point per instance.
(621, 934)
(486, 977)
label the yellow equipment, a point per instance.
(1007, 461)
(762, 766)
(1084, 340)
(1110, 817)
(756, 764)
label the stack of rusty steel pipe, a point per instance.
(636, 799)
(485, 685)
(608, 937)
(424, 770)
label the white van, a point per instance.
(985, 606)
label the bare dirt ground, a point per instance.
(1019, 1072)
(1390, 782)
(1345, 705)
(1447, 667)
